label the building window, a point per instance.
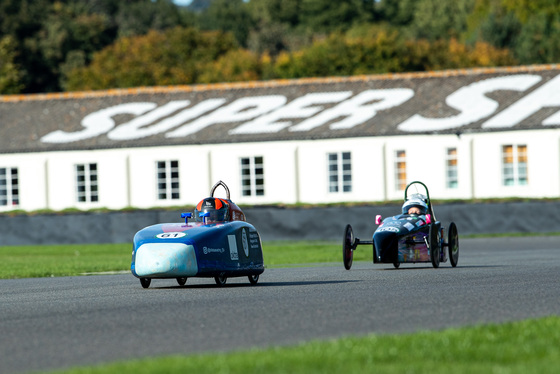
(87, 183)
(514, 165)
(452, 180)
(9, 187)
(400, 170)
(168, 180)
(252, 176)
(340, 172)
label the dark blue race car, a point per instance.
(218, 244)
(410, 237)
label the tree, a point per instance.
(440, 19)
(539, 39)
(326, 16)
(228, 16)
(375, 49)
(174, 56)
(139, 17)
(10, 73)
(235, 66)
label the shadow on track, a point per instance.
(259, 285)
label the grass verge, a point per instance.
(80, 259)
(519, 347)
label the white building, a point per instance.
(488, 133)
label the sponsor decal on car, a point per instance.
(207, 250)
(232, 241)
(390, 229)
(254, 240)
(245, 242)
(408, 226)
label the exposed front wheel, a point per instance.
(348, 243)
(182, 281)
(435, 245)
(254, 279)
(453, 244)
(145, 282)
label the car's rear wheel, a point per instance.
(396, 264)
(220, 280)
(254, 279)
(435, 245)
(348, 247)
(145, 282)
(453, 244)
(182, 281)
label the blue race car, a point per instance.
(411, 237)
(218, 244)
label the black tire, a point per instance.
(145, 282)
(220, 280)
(182, 281)
(435, 245)
(396, 264)
(453, 244)
(348, 247)
(254, 279)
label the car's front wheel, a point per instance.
(220, 280)
(254, 279)
(145, 282)
(453, 244)
(435, 245)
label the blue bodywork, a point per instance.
(196, 249)
(404, 238)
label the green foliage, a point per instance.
(534, 44)
(235, 66)
(175, 56)
(437, 19)
(517, 347)
(228, 16)
(10, 73)
(139, 17)
(382, 50)
(49, 45)
(324, 16)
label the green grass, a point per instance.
(63, 260)
(79, 259)
(520, 347)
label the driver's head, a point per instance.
(416, 204)
(212, 209)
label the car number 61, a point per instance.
(170, 235)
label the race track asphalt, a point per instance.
(57, 323)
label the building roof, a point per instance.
(444, 102)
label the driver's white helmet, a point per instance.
(418, 200)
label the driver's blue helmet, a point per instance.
(418, 200)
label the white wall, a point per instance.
(367, 170)
(426, 162)
(31, 173)
(295, 171)
(279, 170)
(193, 174)
(543, 168)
